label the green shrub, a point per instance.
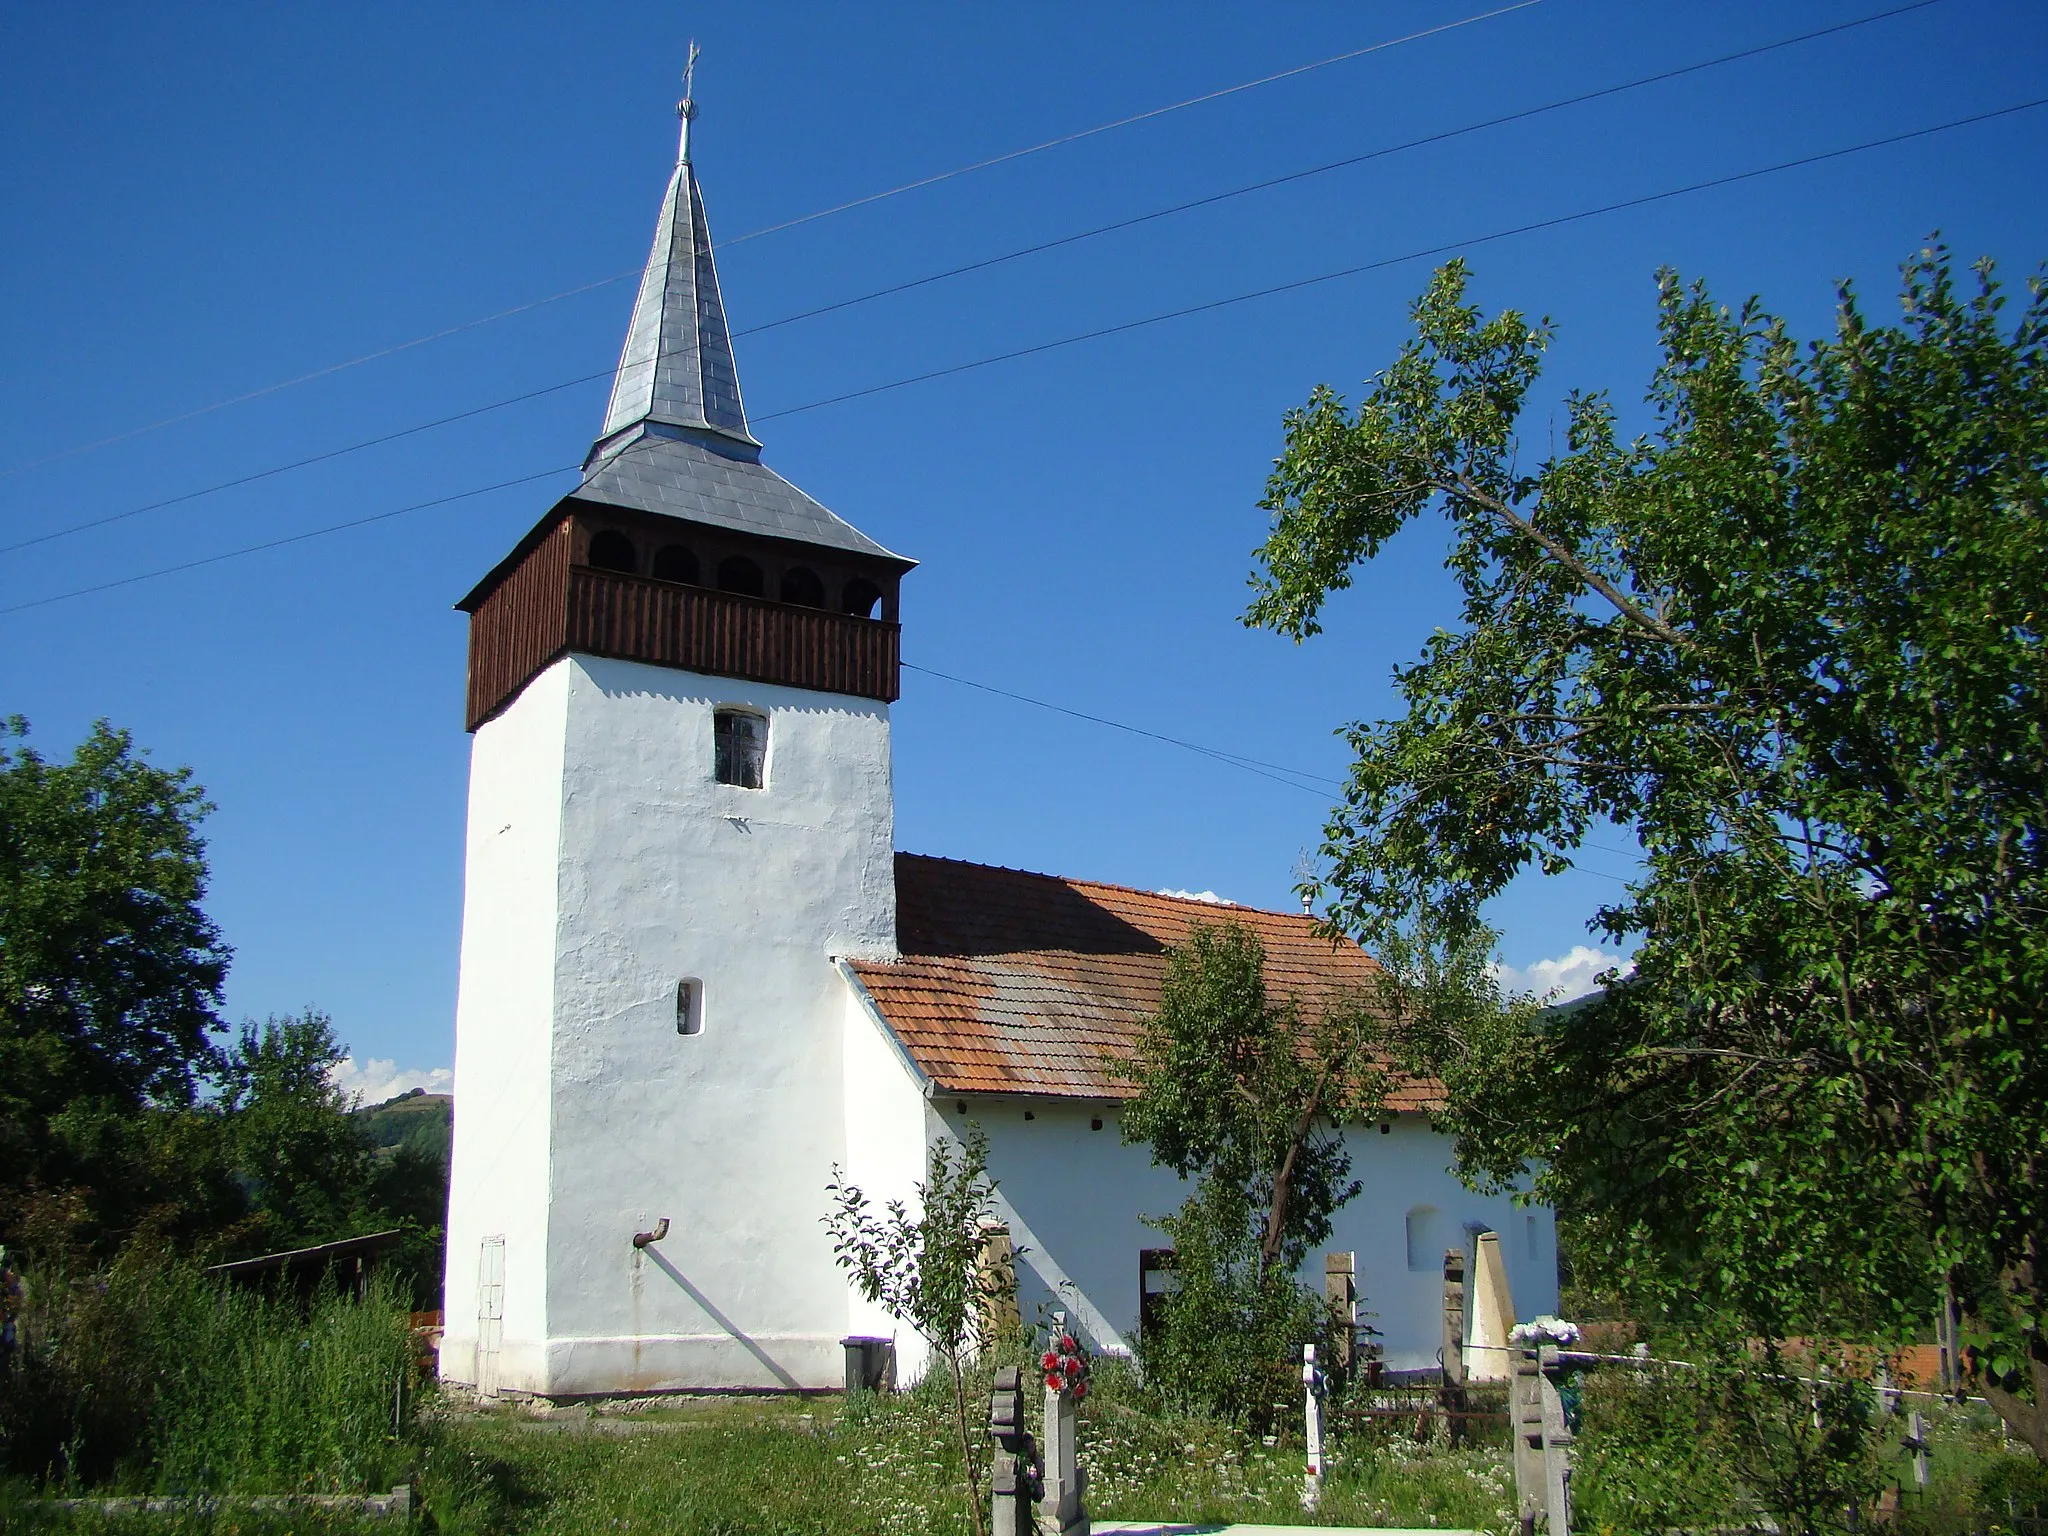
(1738, 1435)
(1227, 1344)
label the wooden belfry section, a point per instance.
(548, 599)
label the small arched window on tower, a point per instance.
(676, 562)
(736, 573)
(800, 584)
(689, 1006)
(860, 598)
(611, 550)
(739, 742)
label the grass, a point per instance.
(152, 1379)
(157, 1381)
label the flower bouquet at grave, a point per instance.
(1066, 1366)
(1544, 1330)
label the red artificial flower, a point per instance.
(1067, 1344)
(1050, 1362)
(1080, 1390)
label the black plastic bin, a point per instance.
(870, 1364)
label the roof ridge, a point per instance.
(1111, 885)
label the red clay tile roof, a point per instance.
(1031, 984)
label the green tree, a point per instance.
(1792, 640)
(926, 1268)
(1240, 1090)
(304, 1160)
(110, 974)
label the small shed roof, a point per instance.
(1036, 985)
(309, 1263)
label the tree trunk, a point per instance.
(2027, 1420)
(969, 1483)
(1283, 1179)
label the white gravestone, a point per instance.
(1312, 1411)
(1066, 1480)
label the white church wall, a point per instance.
(499, 1169)
(1076, 1197)
(1407, 1173)
(730, 1133)
(889, 1130)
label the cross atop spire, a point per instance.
(677, 367)
(686, 109)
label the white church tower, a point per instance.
(679, 818)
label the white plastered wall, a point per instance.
(1076, 1199)
(730, 1133)
(498, 1173)
(890, 1127)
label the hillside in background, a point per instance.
(420, 1120)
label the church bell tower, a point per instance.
(679, 818)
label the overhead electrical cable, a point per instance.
(755, 234)
(317, 458)
(1555, 222)
(1558, 221)
(1273, 771)
(986, 263)
(1137, 117)
(1443, 136)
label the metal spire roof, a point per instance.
(677, 365)
(675, 436)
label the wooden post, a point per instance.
(1340, 1295)
(1947, 1336)
(1451, 1395)
(996, 1283)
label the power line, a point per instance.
(317, 373)
(1248, 764)
(755, 234)
(1532, 227)
(1346, 163)
(1014, 255)
(1150, 320)
(1228, 759)
(1139, 117)
(295, 538)
(279, 469)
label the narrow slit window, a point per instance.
(689, 1006)
(740, 747)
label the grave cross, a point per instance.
(1019, 1479)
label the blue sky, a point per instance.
(203, 202)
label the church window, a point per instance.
(675, 562)
(860, 598)
(736, 573)
(611, 550)
(800, 584)
(740, 746)
(1425, 1239)
(689, 1006)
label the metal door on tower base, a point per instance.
(490, 1314)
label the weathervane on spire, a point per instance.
(686, 109)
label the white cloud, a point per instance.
(1563, 978)
(1209, 896)
(378, 1078)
